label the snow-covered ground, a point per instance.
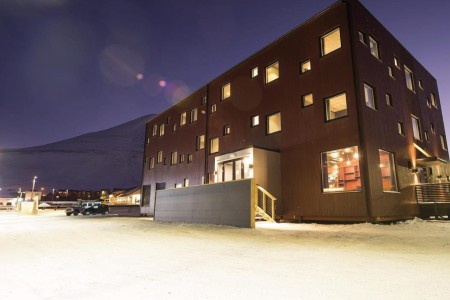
(52, 256)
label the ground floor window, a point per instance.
(387, 168)
(340, 170)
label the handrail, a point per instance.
(435, 192)
(266, 192)
(266, 208)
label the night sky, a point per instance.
(69, 67)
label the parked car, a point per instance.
(88, 208)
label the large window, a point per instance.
(214, 145)
(369, 96)
(331, 41)
(340, 170)
(374, 47)
(200, 142)
(336, 107)
(387, 168)
(409, 79)
(416, 128)
(183, 119)
(273, 123)
(272, 72)
(226, 91)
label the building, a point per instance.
(336, 119)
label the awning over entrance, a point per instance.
(425, 159)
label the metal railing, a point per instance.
(433, 199)
(266, 204)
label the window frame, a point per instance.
(155, 130)
(307, 61)
(393, 173)
(254, 72)
(194, 115)
(224, 96)
(151, 164)
(226, 129)
(304, 97)
(433, 100)
(159, 157)
(443, 142)
(211, 144)
(322, 41)
(419, 127)
(388, 98)
(198, 143)
(362, 38)
(174, 158)
(411, 77)
(268, 123)
(252, 123)
(162, 129)
(213, 108)
(327, 105)
(400, 128)
(266, 80)
(183, 119)
(372, 90)
(372, 41)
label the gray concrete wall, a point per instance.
(229, 203)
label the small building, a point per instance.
(126, 197)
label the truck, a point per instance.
(88, 208)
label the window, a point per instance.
(155, 130)
(186, 182)
(178, 185)
(146, 159)
(400, 128)
(428, 102)
(181, 158)
(443, 142)
(174, 127)
(433, 130)
(340, 170)
(374, 47)
(425, 134)
(387, 168)
(396, 62)
(305, 66)
(330, 42)
(200, 142)
(213, 108)
(189, 158)
(226, 130)
(420, 84)
(183, 119)
(433, 100)
(273, 123)
(416, 128)
(307, 100)
(214, 145)
(409, 79)
(226, 91)
(390, 72)
(255, 121)
(369, 96)
(152, 163)
(194, 115)
(161, 130)
(160, 157)
(336, 107)
(254, 72)
(361, 37)
(389, 100)
(203, 102)
(147, 140)
(272, 72)
(174, 158)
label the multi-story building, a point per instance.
(336, 118)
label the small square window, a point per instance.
(396, 62)
(183, 119)
(336, 107)
(226, 130)
(443, 142)
(433, 100)
(213, 108)
(391, 73)
(255, 121)
(433, 130)
(369, 96)
(155, 130)
(189, 158)
(420, 84)
(425, 134)
(307, 100)
(389, 100)
(181, 158)
(214, 145)
(194, 113)
(273, 123)
(361, 37)
(226, 91)
(272, 72)
(200, 142)
(330, 41)
(161, 130)
(254, 72)
(374, 47)
(400, 128)
(305, 66)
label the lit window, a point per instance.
(396, 62)
(186, 182)
(178, 185)
(226, 91)
(152, 163)
(443, 142)
(425, 134)
(340, 170)
(307, 100)
(369, 96)
(155, 130)
(213, 108)
(433, 130)
(374, 47)
(174, 158)
(389, 100)
(214, 145)
(189, 158)
(428, 102)
(226, 130)
(183, 119)
(420, 84)
(174, 127)
(161, 130)
(390, 72)
(331, 41)
(387, 168)
(160, 157)
(409, 79)
(433, 100)
(200, 142)
(194, 115)
(273, 123)
(254, 72)
(203, 102)
(181, 158)
(147, 141)
(336, 107)
(400, 128)
(255, 121)
(416, 128)
(361, 37)
(305, 66)
(272, 72)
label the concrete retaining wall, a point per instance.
(125, 210)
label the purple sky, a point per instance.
(71, 67)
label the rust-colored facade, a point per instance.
(353, 157)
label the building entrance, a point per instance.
(232, 170)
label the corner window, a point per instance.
(154, 130)
(213, 108)
(443, 142)
(226, 91)
(255, 121)
(254, 72)
(152, 163)
(361, 37)
(194, 115)
(340, 170)
(273, 123)
(409, 79)
(226, 130)
(174, 158)
(416, 128)
(374, 47)
(369, 96)
(330, 42)
(305, 66)
(160, 157)
(272, 72)
(307, 100)
(183, 119)
(200, 142)
(400, 128)
(433, 100)
(161, 130)
(387, 168)
(336, 107)
(389, 100)
(214, 145)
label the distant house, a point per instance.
(126, 197)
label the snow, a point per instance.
(52, 256)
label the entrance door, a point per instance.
(424, 174)
(232, 170)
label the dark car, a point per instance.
(88, 208)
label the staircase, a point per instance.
(265, 206)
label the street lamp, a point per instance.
(32, 189)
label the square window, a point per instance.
(330, 41)
(409, 79)
(390, 72)
(255, 121)
(361, 37)
(369, 96)
(155, 130)
(174, 158)
(305, 66)
(181, 158)
(396, 62)
(387, 168)
(183, 119)
(226, 130)
(161, 130)
(254, 72)
(200, 142)
(194, 115)
(400, 128)
(443, 142)
(213, 108)
(340, 170)
(389, 100)
(272, 72)
(374, 47)
(273, 123)
(160, 157)
(152, 163)
(189, 158)
(214, 145)
(307, 100)
(336, 107)
(416, 128)
(433, 100)
(226, 91)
